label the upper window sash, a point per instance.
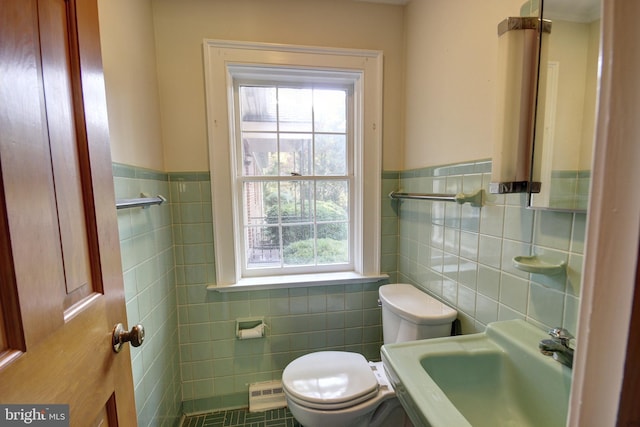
(272, 126)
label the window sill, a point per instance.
(297, 280)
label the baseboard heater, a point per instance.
(265, 396)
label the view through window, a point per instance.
(295, 176)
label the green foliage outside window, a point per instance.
(332, 232)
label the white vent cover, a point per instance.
(265, 396)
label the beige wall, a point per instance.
(591, 90)
(182, 25)
(448, 115)
(451, 51)
(569, 47)
(128, 55)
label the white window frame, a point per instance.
(224, 58)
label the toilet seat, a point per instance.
(330, 380)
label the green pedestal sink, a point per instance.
(497, 378)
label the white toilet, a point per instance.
(342, 389)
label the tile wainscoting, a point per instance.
(193, 363)
(463, 255)
(147, 249)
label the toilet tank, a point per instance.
(410, 314)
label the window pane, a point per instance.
(295, 154)
(263, 247)
(332, 201)
(296, 201)
(259, 154)
(333, 243)
(259, 199)
(258, 108)
(330, 110)
(297, 218)
(298, 244)
(294, 110)
(330, 155)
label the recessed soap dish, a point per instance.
(534, 264)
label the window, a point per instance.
(294, 177)
(291, 147)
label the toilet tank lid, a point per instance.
(414, 305)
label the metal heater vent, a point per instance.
(265, 396)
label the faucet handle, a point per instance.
(561, 335)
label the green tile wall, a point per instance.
(570, 189)
(217, 368)
(389, 226)
(191, 360)
(463, 255)
(458, 253)
(147, 249)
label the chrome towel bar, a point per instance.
(141, 202)
(475, 198)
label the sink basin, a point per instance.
(496, 378)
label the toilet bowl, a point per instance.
(343, 389)
(340, 389)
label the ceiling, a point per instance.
(398, 2)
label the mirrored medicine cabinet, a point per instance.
(565, 113)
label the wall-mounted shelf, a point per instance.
(534, 264)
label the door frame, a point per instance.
(613, 229)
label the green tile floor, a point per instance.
(243, 418)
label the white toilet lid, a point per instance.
(330, 379)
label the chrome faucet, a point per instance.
(558, 346)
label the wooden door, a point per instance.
(61, 288)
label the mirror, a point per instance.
(566, 104)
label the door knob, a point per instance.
(120, 336)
